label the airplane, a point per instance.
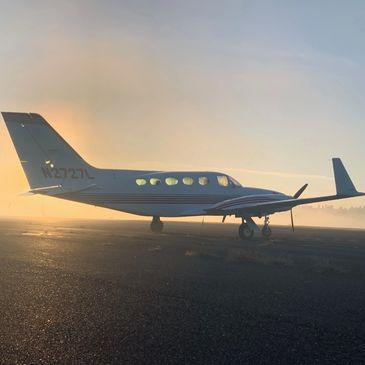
(53, 168)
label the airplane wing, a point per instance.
(260, 205)
(267, 208)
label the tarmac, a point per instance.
(99, 292)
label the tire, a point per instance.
(266, 231)
(245, 232)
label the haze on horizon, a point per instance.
(265, 91)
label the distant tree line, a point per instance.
(340, 211)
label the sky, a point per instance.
(266, 91)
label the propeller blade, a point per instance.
(292, 219)
(300, 191)
(224, 218)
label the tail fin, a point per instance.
(47, 159)
(344, 185)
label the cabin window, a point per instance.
(223, 180)
(203, 180)
(171, 181)
(188, 180)
(141, 182)
(155, 181)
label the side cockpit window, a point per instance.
(223, 180)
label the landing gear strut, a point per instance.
(266, 230)
(156, 225)
(245, 231)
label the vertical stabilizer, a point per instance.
(47, 159)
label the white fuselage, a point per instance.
(189, 193)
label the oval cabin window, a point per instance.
(203, 180)
(155, 181)
(141, 182)
(171, 181)
(188, 180)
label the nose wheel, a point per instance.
(266, 230)
(156, 225)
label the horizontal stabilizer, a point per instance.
(46, 189)
(59, 189)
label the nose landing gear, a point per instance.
(156, 225)
(266, 230)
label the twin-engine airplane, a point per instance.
(54, 168)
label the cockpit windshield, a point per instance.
(233, 182)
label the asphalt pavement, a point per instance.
(99, 292)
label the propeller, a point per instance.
(300, 191)
(296, 196)
(292, 219)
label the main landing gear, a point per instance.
(156, 225)
(248, 227)
(245, 231)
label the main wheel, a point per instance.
(156, 225)
(266, 231)
(245, 232)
